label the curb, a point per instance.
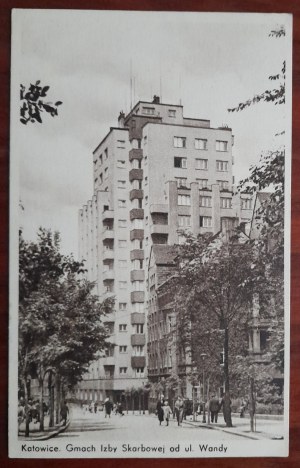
(50, 434)
(221, 429)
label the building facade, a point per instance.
(156, 174)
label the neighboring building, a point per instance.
(154, 175)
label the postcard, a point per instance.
(150, 167)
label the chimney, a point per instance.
(121, 119)
(156, 99)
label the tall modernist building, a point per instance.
(155, 174)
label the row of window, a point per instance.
(199, 143)
(201, 164)
(203, 183)
(205, 201)
(139, 371)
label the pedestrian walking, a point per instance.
(108, 407)
(179, 410)
(96, 407)
(64, 411)
(214, 408)
(167, 411)
(120, 409)
(21, 413)
(160, 411)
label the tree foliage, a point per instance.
(33, 103)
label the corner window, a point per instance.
(181, 182)
(203, 183)
(246, 204)
(222, 166)
(221, 145)
(225, 202)
(205, 201)
(172, 113)
(123, 327)
(184, 200)
(224, 184)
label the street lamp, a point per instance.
(203, 356)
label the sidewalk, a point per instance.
(36, 434)
(265, 428)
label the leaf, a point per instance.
(58, 103)
(24, 121)
(44, 91)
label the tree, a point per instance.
(33, 103)
(215, 286)
(60, 327)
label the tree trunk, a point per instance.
(208, 410)
(57, 400)
(27, 416)
(41, 389)
(132, 403)
(51, 400)
(226, 399)
(251, 404)
(140, 403)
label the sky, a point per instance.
(208, 62)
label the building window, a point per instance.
(180, 162)
(122, 263)
(184, 200)
(122, 223)
(105, 154)
(101, 178)
(202, 183)
(122, 203)
(181, 181)
(137, 307)
(148, 110)
(224, 184)
(121, 144)
(172, 113)
(109, 352)
(139, 371)
(137, 264)
(184, 221)
(106, 173)
(202, 164)
(139, 328)
(122, 243)
(246, 204)
(122, 184)
(122, 327)
(146, 200)
(222, 166)
(179, 142)
(100, 159)
(200, 144)
(205, 201)
(137, 285)
(138, 350)
(123, 370)
(221, 145)
(123, 349)
(146, 181)
(225, 202)
(122, 305)
(138, 224)
(121, 164)
(123, 284)
(206, 221)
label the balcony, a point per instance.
(138, 361)
(137, 275)
(136, 213)
(136, 193)
(111, 317)
(107, 214)
(138, 340)
(159, 229)
(108, 254)
(160, 208)
(108, 361)
(108, 275)
(137, 234)
(137, 318)
(137, 254)
(135, 174)
(137, 296)
(108, 234)
(135, 153)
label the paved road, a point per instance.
(138, 428)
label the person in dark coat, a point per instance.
(179, 410)
(214, 408)
(160, 411)
(108, 407)
(64, 411)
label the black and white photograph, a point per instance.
(150, 166)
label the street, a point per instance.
(86, 426)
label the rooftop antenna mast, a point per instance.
(131, 84)
(160, 84)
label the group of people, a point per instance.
(164, 411)
(33, 408)
(108, 408)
